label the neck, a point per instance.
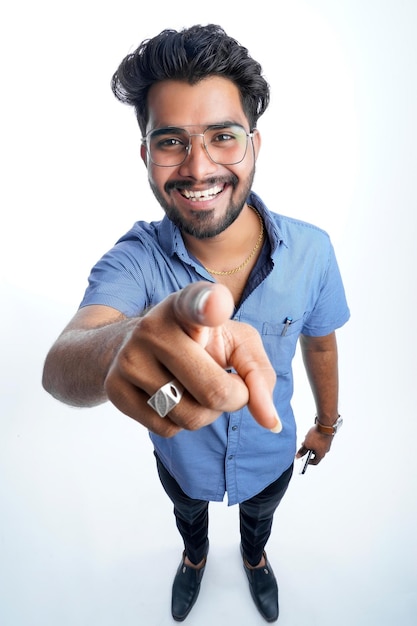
(232, 250)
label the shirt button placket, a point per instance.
(232, 443)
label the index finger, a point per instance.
(203, 305)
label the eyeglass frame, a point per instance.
(249, 135)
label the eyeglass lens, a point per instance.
(225, 145)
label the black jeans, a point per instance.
(255, 515)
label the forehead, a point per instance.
(210, 101)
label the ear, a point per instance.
(256, 141)
(144, 154)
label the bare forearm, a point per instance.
(321, 363)
(77, 364)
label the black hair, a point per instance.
(191, 55)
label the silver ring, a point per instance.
(165, 398)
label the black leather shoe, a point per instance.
(185, 589)
(263, 588)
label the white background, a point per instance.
(86, 532)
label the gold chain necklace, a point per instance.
(242, 265)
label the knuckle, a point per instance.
(145, 326)
(193, 417)
(218, 397)
(164, 428)
(126, 359)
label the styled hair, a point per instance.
(190, 55)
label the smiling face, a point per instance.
(202, 197)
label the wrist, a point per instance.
(327, 428)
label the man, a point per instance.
(153, 333)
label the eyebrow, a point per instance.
(180, 129)
(165, 129)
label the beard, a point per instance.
(202, 225)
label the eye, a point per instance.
(165, 143)
(223, 137)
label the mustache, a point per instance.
(179, 185)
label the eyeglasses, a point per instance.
(225, 145)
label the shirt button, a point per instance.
(234, 427)
(230, 457)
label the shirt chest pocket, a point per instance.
(280, 342)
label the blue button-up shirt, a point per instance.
(296, 279)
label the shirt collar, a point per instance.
(274, 233)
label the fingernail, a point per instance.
(278, 427)
(199, 304)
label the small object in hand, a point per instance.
(305, 462)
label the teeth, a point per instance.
(206, 193)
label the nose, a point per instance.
(197, 164)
